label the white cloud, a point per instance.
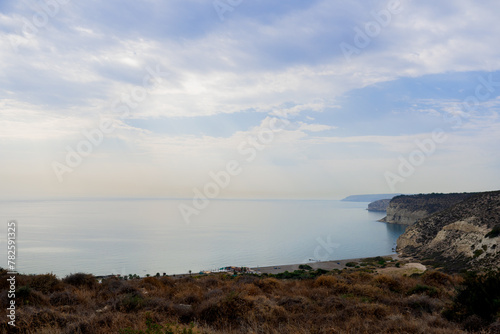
(286, 63)
(315, 127)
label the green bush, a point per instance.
(299, 274)
(131, 302)
(351, 264)
(478, 252)
(305, 267)
(495, 232)
(428, 290)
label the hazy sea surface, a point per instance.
(150, 236)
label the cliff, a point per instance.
(464, 236)
(380, 205)
(407, 209)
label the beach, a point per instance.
(325, 265)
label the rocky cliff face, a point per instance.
(464, 236)
(407, 209)
(380, 205)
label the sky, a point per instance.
(248, 99)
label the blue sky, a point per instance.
(223, 76)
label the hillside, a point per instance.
(407, 209)
(347, 301)
(464, 236)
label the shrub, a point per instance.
(320, 271)
(428, 290)
(294, 303)
(63, 298)
(326, 281)
(151, 282)
(45, 283)
(153, 327)
(305, 267)
(423, 303)
(112, 285)
(27, 296)
(495, 232)
(229, 309)
(81, 280)
(389, 282)
(269, 285)
(478, 252)
(479, 296)
(434, 277)
(351, 264)
(130, 302)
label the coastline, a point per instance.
(325, 265)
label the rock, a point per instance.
(380, 205)
(407, 209)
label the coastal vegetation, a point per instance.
(368, 299)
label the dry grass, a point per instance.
(351, 301)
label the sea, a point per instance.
(149, 236)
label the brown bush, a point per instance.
(388, 282)
(249, 289)
(46, 283)
(346, 302)
(61, 298)
(190, 293)
(436, 278)
(113, 285)
(269, 285)
(81, 280)
(167, 281)
(159, 304)
(229, 309)
(151, 283)
(27, 296)
(326, 281)
(366, 290)
(294, 303)
(423, 303)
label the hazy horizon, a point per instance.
(248, 99)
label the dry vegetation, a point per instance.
(348, 301)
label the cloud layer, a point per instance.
(185, 89)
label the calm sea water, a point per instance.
(150, 236)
